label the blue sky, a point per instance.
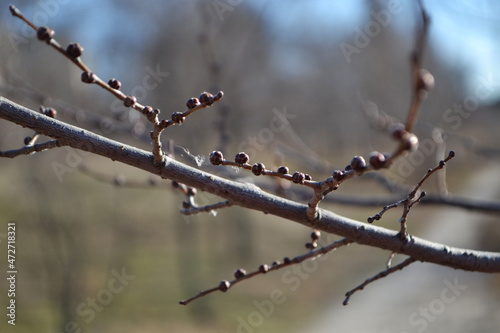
(467, 32)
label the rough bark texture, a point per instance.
(250, 196)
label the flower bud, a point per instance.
(216, 157)
(283, 170)
(74, 50)
(376, 160)
(241, 158)
(240, 273)
(192, 102)
(206, 98)
(358, 163)
(178, 117)
(129, 101)
(45, 34)
(263, 268)
(258, 168)
(338, 175)
(88, 77)
(114, 83)
(224, 286)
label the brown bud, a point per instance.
(147, 110)
(206, 98)
(258, 168)
(14, 11)
(311, 245)
(192, 102)
(114, 83)
(216, 157)
(88, 77)
(263, 268)
(358, 163)
(376, 160)
(218, 96)
(240, 273)
(315, 235)
(191, 191)
(45, 34)
(164, 123)
(27, 140)
(409, 142)
(338, 175)
(425, 80)
(224, 286)
(307, 177)
(129, 101)
(298, 177)
(397, 130)
(50, 112)
(283, 170)
(74, 50)
(178, 117)
(241, 158)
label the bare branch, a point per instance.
(74, 51)
(250, 196)
(29, 149)
(206, 209)
(376, 277)
(410, 200)
(422, 80)
(241, 275)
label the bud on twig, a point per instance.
(258, 168)
(216, 157)
(114, 83)
(241, 158)
(88, 77)
(74, 50)
(45, 34)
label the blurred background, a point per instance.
(102, 247)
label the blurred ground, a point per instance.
(76, 235)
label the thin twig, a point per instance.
(389, 260)
(378, 276)
(206, 209)
(29, 149)
(409, 201)
(129, 101)
(419, 90)
(263, 269)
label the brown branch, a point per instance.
(376, 277)
(250, 196)
(207, 208)
(410, 200)
(241, 275)
(422, 80)
(29, 149)
(74, 51)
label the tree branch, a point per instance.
(250, 196)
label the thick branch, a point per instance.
(250, 196)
